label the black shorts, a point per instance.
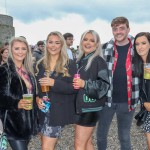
(87, 119)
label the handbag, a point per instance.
(3, 138)
(141, 115)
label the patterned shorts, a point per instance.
(51, 131)
(146, 125)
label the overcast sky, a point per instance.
(35, 19)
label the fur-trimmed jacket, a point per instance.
(20, 123)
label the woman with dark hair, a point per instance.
(17, 78)
(4, 55)
(141, 58)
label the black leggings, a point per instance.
(19, 144)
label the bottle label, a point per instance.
(47, 104)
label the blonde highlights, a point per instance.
(98, 51)
(62, 61)
(28, 60)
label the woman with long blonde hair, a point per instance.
(56, 71)
(17, 78)
(93, 85)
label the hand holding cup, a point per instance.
(27, 102)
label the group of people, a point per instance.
(111, 82)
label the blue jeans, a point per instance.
(124, 121)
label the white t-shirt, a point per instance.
(69, 52)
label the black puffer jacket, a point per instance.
(92, 96)
(20, 123)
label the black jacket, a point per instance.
(20, 123)
(37, 54)
(62, 97)
(144, 90)
(92, 96)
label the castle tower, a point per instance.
(6, 28)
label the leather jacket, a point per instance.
(92, 97)
(144, 90)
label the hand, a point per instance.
(40, 103)
(147, 70)
(46, 81)
(25, 104)
(78, 83)
(147, 106)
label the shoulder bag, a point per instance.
(141, 115)
(3, 139)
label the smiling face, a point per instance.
(142, 47)
(120, 33)
(88, 43)
(19, 52)
(54, 45)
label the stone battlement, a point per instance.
(6, 28)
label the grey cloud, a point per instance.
(30, 11)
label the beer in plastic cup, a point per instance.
(146, 74)
(45, 88)
(29, 97)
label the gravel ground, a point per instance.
(67, 139)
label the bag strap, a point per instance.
(5, 119)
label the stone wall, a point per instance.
(6, 28)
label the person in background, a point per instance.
(39, 52)
(59, 71)
(6, 45)
(17, 78)
(123, 95)
(69, 42)
(4, 55)
(142, 57)
(93, 85)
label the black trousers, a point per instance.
(19, 144)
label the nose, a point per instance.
(118, 31)
(20, 51)
(140, 46)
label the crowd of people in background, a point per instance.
(85, 86)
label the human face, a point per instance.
(5, 54)
(69, 41)
(41, 47)
(88, 43)
(142, 47)
(120, 33)
(19, 51)
(54, 45)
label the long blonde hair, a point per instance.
(28, 60)
(63, 59)
(98, 51)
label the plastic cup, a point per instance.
(146, 74)
(76, 76)
(45, 88)
(29, 97)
